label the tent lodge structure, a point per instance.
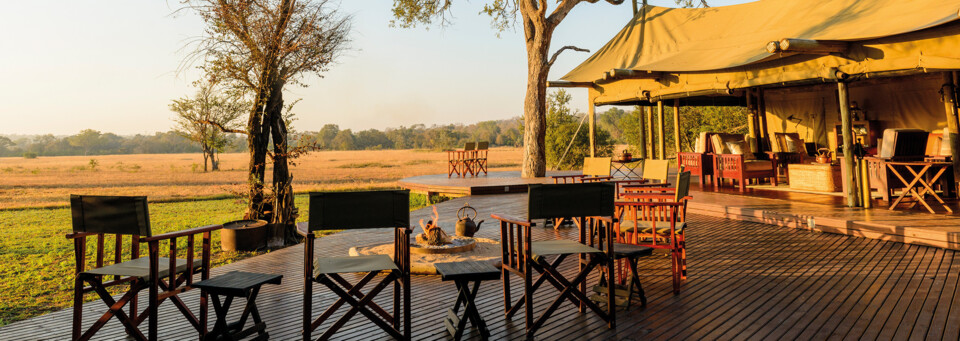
(805, 67)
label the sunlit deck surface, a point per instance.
(746, 280)
(817, 211)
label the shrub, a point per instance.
(29, 155)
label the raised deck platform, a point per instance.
(818, 212)
(746, 281)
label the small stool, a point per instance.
(462, 273)
(236, 284)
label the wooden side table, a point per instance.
(237, 284)
(463, 273)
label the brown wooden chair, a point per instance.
(789, 149)
(734, 160)
(522, 256)
(113, 217)
(479, 159)
(700, 161)
(460, 161)
(359, 210)
(657, 218)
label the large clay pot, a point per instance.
(243, 235)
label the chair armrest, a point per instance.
(512, 220)
(567, 176)
(647, 203)
(629, 188)
(75, 235)
(182, 233)
(595, 178)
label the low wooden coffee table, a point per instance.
(818, 177)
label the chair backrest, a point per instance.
(470, 146)
(483, 145)
(683, 185)
(790, 143)
(656, 170)
(359, 210)
(546, 201)
(110, 214)
(596, 166)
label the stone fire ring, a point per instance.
(480, 249)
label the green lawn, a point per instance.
(38, 267)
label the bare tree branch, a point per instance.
(568, 47)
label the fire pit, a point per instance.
(434, 245)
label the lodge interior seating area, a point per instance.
(700, 161)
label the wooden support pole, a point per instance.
(764, 143)
(751, 118)
(661, 143)
(676, 125)
(847, 131)
(649, 135)
(592, 113)
(641, 133)
(953, 121)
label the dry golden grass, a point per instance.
(48, 181)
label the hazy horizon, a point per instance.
(112, 66)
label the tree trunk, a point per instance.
(535, 102)
(214, 164)
(205, 151)
(257, 138)
(283, 207)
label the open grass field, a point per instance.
(38, 267)
(48, 181)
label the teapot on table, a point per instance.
(466, 227)
(824, 155)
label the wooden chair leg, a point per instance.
(77, 307)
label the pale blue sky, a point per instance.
(111, 65)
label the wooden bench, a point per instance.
(462, 273)
(237, 284)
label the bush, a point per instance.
(562, 127)
(29, 155)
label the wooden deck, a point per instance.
(819, 212)
(746, 281)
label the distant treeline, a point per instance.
(621, 126)
(330, 137)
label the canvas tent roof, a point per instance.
(723, 48)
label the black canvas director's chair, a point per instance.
(359, 210)
(113, 217)
(521, 255)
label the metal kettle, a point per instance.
(466, 227)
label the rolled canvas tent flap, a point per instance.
(696, 40)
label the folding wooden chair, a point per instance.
(460, 161)
(594, 169)
(658, 219)
(521, 255)
(359, 210)
(112, 217)
(480, 158)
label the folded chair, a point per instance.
(111, 218)
(657, 219)
(479, 159)
(460, 162)
(522, 256)
(359, 210)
